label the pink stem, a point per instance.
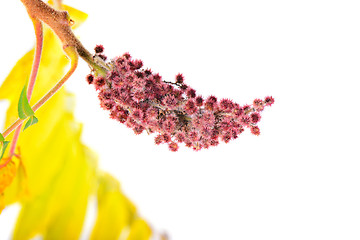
(34, 71)
(38, 49)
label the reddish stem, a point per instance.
(8, 159)
(35, 68)
(37, 56)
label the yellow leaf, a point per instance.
(59, 212)
(34, 142)
(68, 223)
(58, 166)
(52, 68)
(76, 15)
(2, 202)
(140, 230)
(57, 173)
(7, 174)
(64, 197)
(115, 211)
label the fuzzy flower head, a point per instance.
(142, 101)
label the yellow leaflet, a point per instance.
(52, 68)
(140, 230)
(53, 63)
(59, 169)
(33, 141)
(66, 192)
(115, 211)
(77, 16)
(58, 213)
(7, 174)
(2, 202)
(68, 223)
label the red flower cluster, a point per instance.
(142, 101)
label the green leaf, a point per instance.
(32, 120)
(3, 146)
(24, 109)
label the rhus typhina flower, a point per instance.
(143, 101)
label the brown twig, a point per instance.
(59, 22)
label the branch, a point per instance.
(59, 22)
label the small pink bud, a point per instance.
(169, 101)
(269, 101)
(90, 78)
(255, 130)
(190, 107)
(179, 78)
(238, 111)
(226, 104)
(245, 120)
(166, 137)
(193, 136)
(255, 117)
(199, 101)
(173, 146)
(99, 82)
(158, 139)
(190, 93)
(127, 56)
(258, 104)
(212, 99)
(180, 137)
(214, 142)
(99, 49)
(137, 114)
(138, 129)
(137, 64)
(226, 137)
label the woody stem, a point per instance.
(59, 22)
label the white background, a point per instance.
(299, 179)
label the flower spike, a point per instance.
(142, 101)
